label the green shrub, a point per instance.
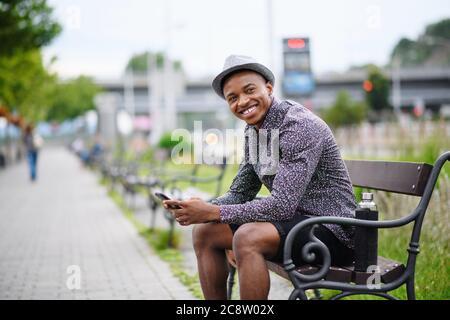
(344, 112)
(166, 141)
(428, 151)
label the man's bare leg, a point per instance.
(253, 243)
(210, 241)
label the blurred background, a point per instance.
(376, 71)
(115, 78)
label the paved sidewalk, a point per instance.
(66, 219)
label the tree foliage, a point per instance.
(431, 48)
(139, 62)
(29, 90)
(25, 84)
(72, 98)
(25, 25)
(439, 29)
(378, 97)
(344, 112)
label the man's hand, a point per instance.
(193, 211)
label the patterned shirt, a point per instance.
(310, 177)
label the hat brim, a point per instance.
(256, 67)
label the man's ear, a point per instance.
(269, 87)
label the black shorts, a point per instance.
(340, 254)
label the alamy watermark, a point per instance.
(73, 281)
(374, 280)
(214, 146)
(373, 13)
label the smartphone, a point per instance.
(162, 196)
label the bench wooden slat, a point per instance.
(339, 274)
(389, 271)
(398, 177)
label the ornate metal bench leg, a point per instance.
(230, 281)
(298, 294)
(128, 199)
(133, 199)
(153, 206)
(110, 185)
(410, 289)
(171, 232)
(124, 191)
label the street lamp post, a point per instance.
(154, 98)
(161, 99)
(129, 92)
(271, 43)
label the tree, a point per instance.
(25, 25)
(344, 112)
(377, 90)
(431, 48)
(439, 29)
(25, 84)
(72, 99)
(138, 62)
(409, 53)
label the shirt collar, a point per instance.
(271, 117)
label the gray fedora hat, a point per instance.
(236, 63)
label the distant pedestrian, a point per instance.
(33, 142)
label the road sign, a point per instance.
(297, 76)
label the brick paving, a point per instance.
(66, 219)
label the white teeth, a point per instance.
(248, 110)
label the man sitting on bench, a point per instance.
(309, 179)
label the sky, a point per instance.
(100, 36)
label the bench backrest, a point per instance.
(217, 177)
(398, 177)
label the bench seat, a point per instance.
(389, 271)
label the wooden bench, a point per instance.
(161, 179)
(414, 179)
(156, 177)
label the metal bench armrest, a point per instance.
(316, 244)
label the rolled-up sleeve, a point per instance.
(301, 144)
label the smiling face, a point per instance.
(249, 96)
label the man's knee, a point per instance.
(255, 238)
(210, 235)
(200, 233)
(245, 239)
